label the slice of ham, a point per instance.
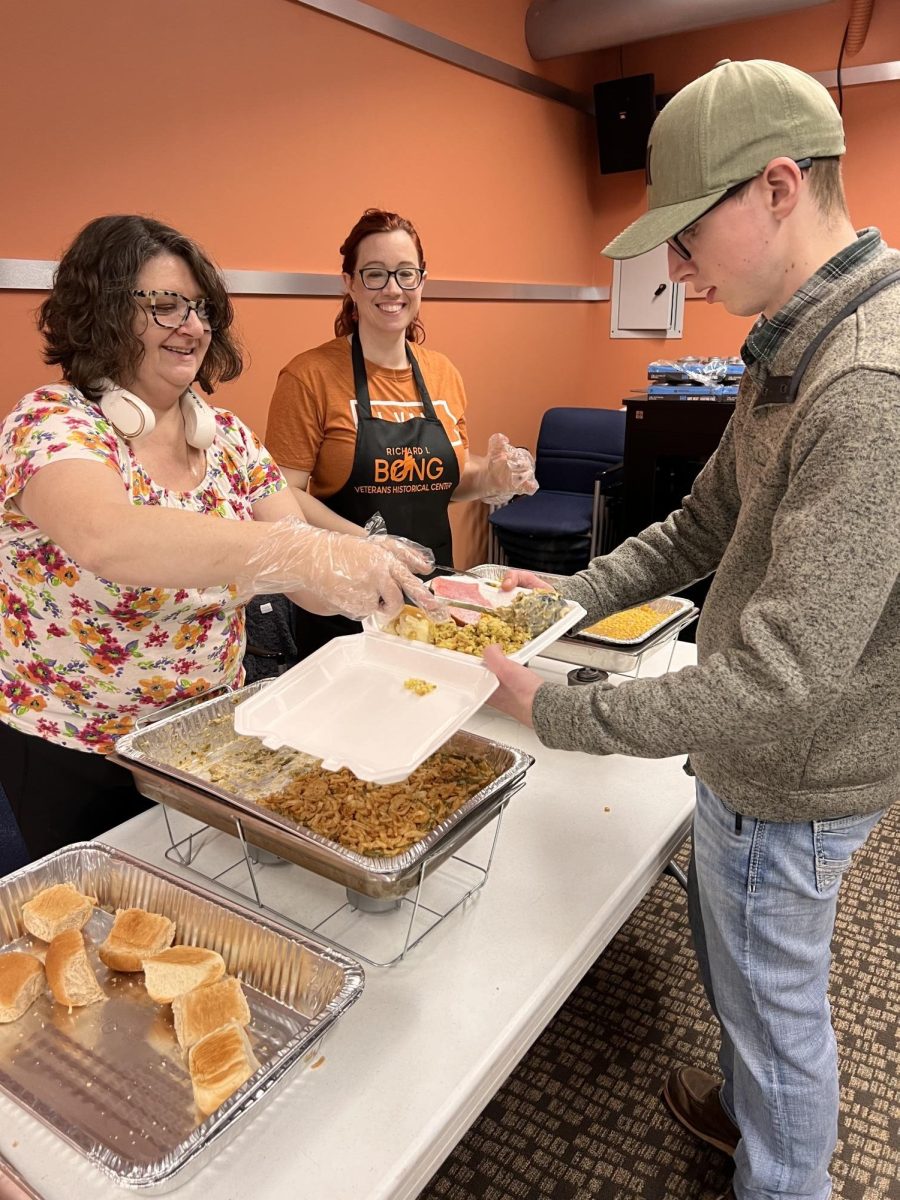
(464, 616)
(462, 591)
(457, 589)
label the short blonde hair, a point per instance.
(826, 187)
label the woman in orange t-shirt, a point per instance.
(364, 425)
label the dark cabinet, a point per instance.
(666, 444)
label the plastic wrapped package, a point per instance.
(713, 372)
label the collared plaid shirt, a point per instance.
(766, 336)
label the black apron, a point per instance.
(406, 470)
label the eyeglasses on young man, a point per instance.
(675, 240)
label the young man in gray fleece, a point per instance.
(791, 716)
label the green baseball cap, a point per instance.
(723, 129)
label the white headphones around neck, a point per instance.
(132, 418)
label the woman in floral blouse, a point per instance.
(134, 523)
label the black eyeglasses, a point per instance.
(675, 240)
(170, 310)
(376, 278)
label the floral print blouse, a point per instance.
(82, 657)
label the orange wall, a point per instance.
(263, 128)
(810, 39)
(295, 123)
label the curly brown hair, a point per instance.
(87, 321)
(374, 220)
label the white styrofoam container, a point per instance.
(347, 705)
(524, 654)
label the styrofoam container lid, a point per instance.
(347, 705)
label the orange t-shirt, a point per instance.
(312, 418)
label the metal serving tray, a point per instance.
(153, 756)
(110, 1078)
(668, 608)
(618, 657)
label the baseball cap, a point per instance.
(723, 129)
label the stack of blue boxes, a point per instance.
(695, 378)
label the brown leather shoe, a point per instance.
(692, 1096)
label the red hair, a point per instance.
(374, 220)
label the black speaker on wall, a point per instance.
(625, 110)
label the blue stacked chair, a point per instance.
(578, 465)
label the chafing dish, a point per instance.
(157, 756)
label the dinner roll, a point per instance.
(21, 982)
(219, 1063)
(135, 935)
(180, 969)
(204, 1009)
(55, 910)
(70, 975)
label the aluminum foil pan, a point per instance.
(110, 1078)
(619, 658)
(194, 762)
(667, 610)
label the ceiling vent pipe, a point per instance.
(557, 27)
(858, 25)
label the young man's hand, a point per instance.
(518, 684)
(516, 577)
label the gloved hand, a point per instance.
(349, 575)
(509, 471)
(413, 555)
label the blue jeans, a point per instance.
(762, 898)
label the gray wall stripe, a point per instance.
(36, 275)
(366, 16)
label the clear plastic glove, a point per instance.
(509, 471)
(345, 574)
(413, 555)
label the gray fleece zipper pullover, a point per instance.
(793, 711)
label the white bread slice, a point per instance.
(56, 909)
(21, 982)
(180, 969)
(204, 1009)
(135, 935)
(219, 1063)
(70, 975)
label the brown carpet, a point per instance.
(581, 1117)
